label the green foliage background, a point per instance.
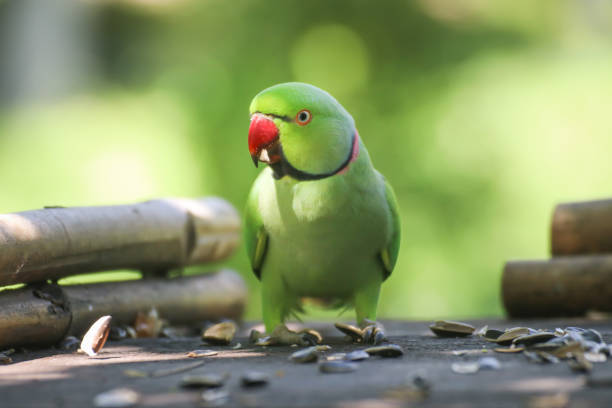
(482, 115)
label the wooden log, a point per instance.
(154, 235)
(43, 314)
(582, 228)
(564, 286)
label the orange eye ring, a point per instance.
(303, 117)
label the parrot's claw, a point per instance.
(282, 336)
(373, 335)
(369, 333)
(372, 332)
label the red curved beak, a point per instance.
(263, 139)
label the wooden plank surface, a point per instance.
(54, 378)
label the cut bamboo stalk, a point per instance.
(582, 228)
(564, 286)
(154, 235)
(44, 314)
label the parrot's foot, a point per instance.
(373, 332)
(369, 333)
(282, 336)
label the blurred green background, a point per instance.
(482, 115)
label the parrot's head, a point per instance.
(301, 131)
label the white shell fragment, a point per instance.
(466, 367)
(117, 398)
(96, 336)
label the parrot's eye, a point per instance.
(303, 117)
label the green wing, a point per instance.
(388, 255)
(255, 236)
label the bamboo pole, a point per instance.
(564, 286)
(44, 314)
(582, 228)
(155, 235)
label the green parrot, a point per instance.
(320, 221)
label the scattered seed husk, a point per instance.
(513, 333)
(96, 336)
(465, 367)
(489, 363)
(220, 334)
(529, 339)
(70, 343)
(574, 329)
(254, 379)
(592, 335)
(336, 367)
(357, 355)
(492, 335)
(355, 333)
(201, 353)
(5, 359)
(148, 324)
(210, 380)
(595, 357)
(388, 350)
(447, 328)
(117, 398)
(214, 398)
(509, 349)
(481, 331)
(307, 355)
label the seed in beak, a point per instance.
(263, 156)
